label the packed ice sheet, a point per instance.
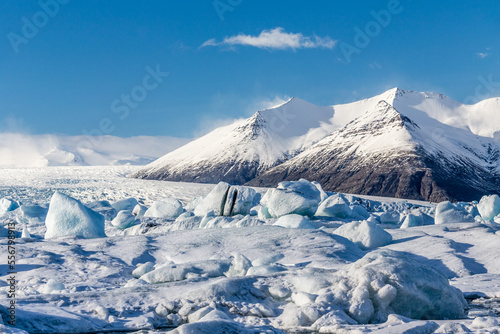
(226, 259)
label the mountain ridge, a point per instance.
(240, 151)
(383, 152)
(400, 143)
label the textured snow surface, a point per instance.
(385, 282)
(384, 268)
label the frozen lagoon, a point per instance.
(94, 272)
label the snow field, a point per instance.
(384, 266)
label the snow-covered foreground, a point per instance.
(233, 260)
(36, 185)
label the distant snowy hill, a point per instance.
(399, 143)
(19, 150)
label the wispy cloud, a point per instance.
(264, 102)
(276, 38)
(12, 124)
(484, 54)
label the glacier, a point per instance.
(378, 269)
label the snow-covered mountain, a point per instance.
(399, 143)
(21, 150)
(385, 153)
(482, 118)
(238, 152)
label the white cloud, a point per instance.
(24, 150)
(482, 55)
(210, 42)
(13, 124)
(207, 124)
(275, 38)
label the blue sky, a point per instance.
(72, 73)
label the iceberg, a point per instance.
(124, 219)
(68, 216)
(365, 234)
(446, 212)
(489, 207)
(294, 221)
(335, 206)
(125, 204)
(214, 201)
(7, 205)
(299, 197)
(166, 208)
(239, 200)
(139, 210)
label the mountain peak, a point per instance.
(396, 90)
(395, 93)
(384, 111)
(384, 106)
(289, 101)
(253, 126)
(293, 102)
(379, 119)
(370, 146)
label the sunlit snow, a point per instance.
(216, 258)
